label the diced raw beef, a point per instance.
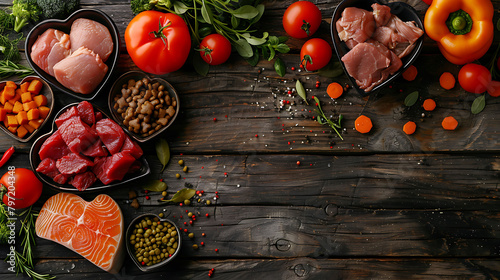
(54, 147)
(92, 35)
(73, 164)
(98, 168)
(86, 112)
(406, 29)
(48, 167)
(68, 114)
(50, 48)
(61, 178)
(381, 14)
(355, 24)
(98, 116)
(115, 167)
(111, 134)
(136, 166)
(83, 180)
(131, 147)
(81, 72)
(77, 135)
(96, 150)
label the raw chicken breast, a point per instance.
(92, 35)
(50, 48)
(81, 72)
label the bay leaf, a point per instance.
(411, 99)
(301, 91)
(478, 105)
(163, 152)
(155, 186)
(180, 196)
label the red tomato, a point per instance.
(301, 19)
(315, 54)
(428, 2)
(215, 49)
(22, 188)
(474, 78)
(154, 51)
(494, 89)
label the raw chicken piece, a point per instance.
(92, 35)
(81, 72)
(50, 48)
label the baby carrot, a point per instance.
(429, 104)
(409, 127)
(334, 90)
(363, 124)
(447, 80)
(449, 123)
(411, 73)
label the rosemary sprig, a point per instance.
(322, 119)
(9, 68)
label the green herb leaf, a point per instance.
(180, 8)
(254, 40)
(478, 104)
(318, 104)
(246, 12)
(243, 48)
(260, 8)
(332, 70)
(280, 67)
(235, 21)
(282, 39)
(272, 53)
(411, 99)
(498, 24)
(206, 13)
(273, 40)
(254, 60)
(180, 196)
(163, 152)
(282, 48)
(301, 91)
(155, 186)
(200, 66)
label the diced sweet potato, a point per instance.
(10, 84)
(12, 129)
(36, 123)
(9, 92)
(29, 105)
(35, 86)
(18, 107)
(29, 128)
(26, 97)
(3, 100)
(33, 114)
(22, 118)
(3, 114)
(44, 111)
(40, 100)
(12, 120)
(21, 131)
(24, 86)
(8, 107)
(16, 97)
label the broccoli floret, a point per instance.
(24, 11)
(4, 230)
(138, 6)
(57, 8)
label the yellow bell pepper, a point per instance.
(463, 29)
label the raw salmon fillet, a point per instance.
(92, 229)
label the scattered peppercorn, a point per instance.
(164, 193)
(185, 169)
(195, 246)
(190, 214)
(177, 175)
(147, 197)
(181, 162)
(191, 235)
(187, 202)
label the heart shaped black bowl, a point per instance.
(402, 10)
(98, 185)
(65, 26)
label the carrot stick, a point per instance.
(429, 104)
(363, 124)
(449, 123)
(447, 80)
(411, 73)
(334, 90)
(409, 127)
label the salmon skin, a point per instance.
(92, 229)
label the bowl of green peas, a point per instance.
(152, 241)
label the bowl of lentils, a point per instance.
(152, 241)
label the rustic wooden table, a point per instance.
(382, 205)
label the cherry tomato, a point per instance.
(315, 54)
(474, 78)
(21, 188)
(158, 50)
(301, 19)
(494, 89)
(215, 49)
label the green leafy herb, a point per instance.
(322, 119)
(163, 152)
(280, 67)
(9, 68)
(301, 91)
(9, 48)
(180, 196)
(332, 70)
(155, 186)
(411, 99)
(478, 104)
(200, 66)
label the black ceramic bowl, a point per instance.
(98, 185)
(137, 75)
(47, 91)
(404, 11)
(130, 248)
(65, 26)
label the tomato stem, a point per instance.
(159, 33)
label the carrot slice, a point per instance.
(447, 80)
(411, 73)
(409, 127)
(363, 124)
(334, 90)
(449, 123)
(429, 104)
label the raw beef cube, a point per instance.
(98, 116)
(61, 178)
(111, 134)
(86, 112)
(50, 48)
(54, 147)
(81, 72)
(68, 114)
(96, 150)
(131, 147)
(136, 166)
(92, 35)
(48, 167)
(98, 168)
(115, 167)
(77, 135)
(355, 26)
(73, 164)
(83, 180)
